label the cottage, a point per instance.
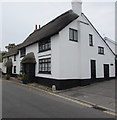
(66, 52)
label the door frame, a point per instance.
(93, 69)
(29, 70)
(106, 71)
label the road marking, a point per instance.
(75, 101)
(69, 99)
(111, 113)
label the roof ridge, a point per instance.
(56, 18)
(51, 28)
(51, 21)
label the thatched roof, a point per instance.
(51, 28)
(29, 58)
(46, 31)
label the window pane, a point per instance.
(75, 35)
(49, 45)
(98, 50)
(45, 65)
(90, 40)
(40, 67)
(23, 52)
(70, 34)
(101, 50)
(44, 45)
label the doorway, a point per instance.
(29, 70)
(106, 71)
(93, 69)
(28, 64)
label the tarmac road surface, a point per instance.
(23, 102)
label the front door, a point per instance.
(93, 69)
(9, 70)
(29, 70)
(106, 71)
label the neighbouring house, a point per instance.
(66, 52)
(112, 44)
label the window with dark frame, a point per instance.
(90, 40)
(100, 50)
(45, 65)
(44, 45)
(73, 34)
(14, 57)
(22, 52)
(14, 69)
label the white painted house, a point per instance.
(66, 52)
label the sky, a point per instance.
(19, 18)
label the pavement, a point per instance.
(100, 95)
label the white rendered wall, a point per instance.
(75, 56)
(3, 65)
(69, 54)
(18, 61)
(88, 53)
(33, 48)
(54, 55)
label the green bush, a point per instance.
(22, 76)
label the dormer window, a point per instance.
(44, 45)
(73, 35)
(22, 52)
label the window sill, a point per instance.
(91, 45)
(73, 40)
(22, 56)
(48, 73)
(101, 53)
(44, 51)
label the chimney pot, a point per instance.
(35, 27)
(39, 26)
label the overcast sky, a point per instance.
(19, 18)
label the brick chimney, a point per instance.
(37, 27)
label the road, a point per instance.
(24, 102)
